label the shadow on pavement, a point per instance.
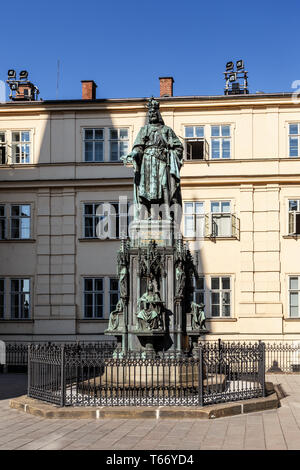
(12, 385)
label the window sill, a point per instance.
(229, 319)
(18, 240)
(99, 239)
(14, 320)
(295, 236)
(210, 238)
(94, 320)
(291, 319)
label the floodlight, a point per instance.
(239, 64)
(23, 74)
(14, 86)
(11, 74)
(229, 66)
(232, 77)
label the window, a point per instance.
(294, 289)
(93, 297)
(294, 217)
(21, 147)
(220, 142)
(113, 293)
(105, 220)
(2, 148)
(2, 223)
(20, 221)
(118, 143)
(199, 290)
(294, 134)
(220, 296)
(195, 143)
(2, 297)
(194, 219)
(221, 220)
(93, 145)
(20, 298)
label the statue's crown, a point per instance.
(153, 104)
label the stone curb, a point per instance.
(45, 410)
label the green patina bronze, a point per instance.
(157, 158)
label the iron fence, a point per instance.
(280, 357)
(79, 376)
(17, 353)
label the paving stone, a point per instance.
(277, 429)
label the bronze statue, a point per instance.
(157, 158)
(113, 323)
(198, 316)
(150, 308)
(180, 279)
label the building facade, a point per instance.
(241, 211)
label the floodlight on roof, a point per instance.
(23, 75)
(229, 66)
(232, 77)
(14, 86)
(239, 64)
(11, 74)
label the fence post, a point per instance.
(262, 366)
(200, 377)
(28, 371)
(63, 376)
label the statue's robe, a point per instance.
(158, 163)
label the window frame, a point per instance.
(4, 145)
(195, 215)
(195, 138)
(119, 140)
(295, 136)
(112, 292)
(94, 140)
(11, 218)
(19, 294)
(20, 142)
(295, 213)
(290, 291)
(118, 214)
(221, 138)
(219, 215)
(199, 291)
(94, 292)
(3, 294)
(221, 290)
(5, 224)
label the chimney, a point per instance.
(166, 86)
(88, 89)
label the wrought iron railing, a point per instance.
(17, 353)
(280, 357)
(79, 376)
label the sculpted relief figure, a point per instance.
(157, 158)
(150, 308)
(198, 316)
(113, 323)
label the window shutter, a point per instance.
(292, 222)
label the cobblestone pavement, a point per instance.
(273, 429)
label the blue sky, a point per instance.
(126, 45)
